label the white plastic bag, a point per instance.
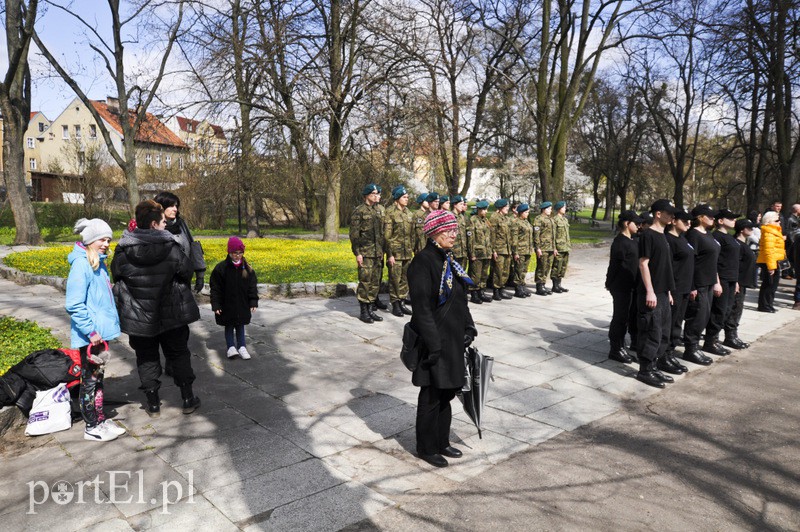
(50, 412)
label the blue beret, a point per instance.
(522, 207)
(369, 189)
(422, 197)
(399, 191)
(483, 204)
(456, 199)
(433, 196)
(499, 204)
(559, 204)
(545, 204)
(442, 199)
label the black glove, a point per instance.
(430, 360)
(468, 339)
(199, 283)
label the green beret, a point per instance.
(499, 204)
(442, 199)
(560, 204)
(369, 189)
(522, 207)
(456, 199)
(483, 204)
(398, 192)
(421, 198)
(545, 204)
(432, 196)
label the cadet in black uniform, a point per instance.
(728, 272)
(623, 269)
(654, 295)
(682, 273)
(747, 273)
(705, 283)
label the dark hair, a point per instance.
(167, 199)
(148, 212)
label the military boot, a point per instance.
(396, 309)
(496, 295)
(365, 316)
(503, 294)
(484, 297)
(518, 292)
(556, 288)
(527, 292)
(404, 309)
(153, 403)
(380, 304)
(190, 401)
(540, 291)
(373, 313)
(475, 298)
(561, 289)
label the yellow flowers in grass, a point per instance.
(18, 339)
(275, 260)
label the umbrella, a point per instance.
(473, 394)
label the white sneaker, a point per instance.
(98, 433)
(113, 428)
(232, 352)
(243, 353)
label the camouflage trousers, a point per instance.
(502, 269)
(398, 280)
(543, 266)
(560, 263)
(369, 279)
(479, 272)
(521, 269)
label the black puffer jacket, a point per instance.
(233, 292)
(151, 283)
(442, 363)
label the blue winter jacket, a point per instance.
(90, 302)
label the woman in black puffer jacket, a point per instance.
(151, 273)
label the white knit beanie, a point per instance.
(92, 230)
(770, 217)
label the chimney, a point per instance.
(113, 104)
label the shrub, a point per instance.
(18, 339)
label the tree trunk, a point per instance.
(14, 173)
(333, 187)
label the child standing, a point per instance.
(234, 296)
(93, 320)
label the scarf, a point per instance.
(450, 265)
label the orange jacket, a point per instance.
(771, 247)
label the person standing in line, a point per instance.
(654, 295)
(793, 234)
(523, 249)
(445, 327)
(399, 237)
(444, 203)
(501, 249)
(93, 320)
(433, 201)
(771, 250)
(544, 244)
(461, 246)
(747, 266)
(683, 257)
(728, 272)
(705, 283)
(152, 275)
(563, 246)
(479, 241)
(366, 241)
(419, 221)
(621, 277)
(234, 297)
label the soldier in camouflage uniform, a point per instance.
(479, 242)
(433, 203)
(523, 249)
(419, 222)
(444, 203)
(366, 241)
(461, 247)
(563, 246)
(502, 242)
(544, 244)
(399, 236)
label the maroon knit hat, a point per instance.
(439, 221)
(235, 244)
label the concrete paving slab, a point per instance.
(184, 515)
(572, 413)
(527, 401)
(513, 426)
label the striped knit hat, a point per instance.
(439, 221)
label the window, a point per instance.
(64, 132)
(158, 160)
(31, 143)
(148, 159)
(41, 127)
(92, 131)
(77, 132)
(33, 163)
(180, 163)
(168, 161)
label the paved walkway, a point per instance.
(316, 431)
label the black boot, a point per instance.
(504, 295)
(484, 297)
(496, 295)
(540, 291)
(475, 298)
(153, 403)
(556, 289)
(561, 287)
(365, 316)
(396, 309)
(527, 292)
(373, 313)
(404, 309)
(380, 304)
(190, 401)
(518, 292)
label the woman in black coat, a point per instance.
(151, 273)
(438, 286)
(623, 268)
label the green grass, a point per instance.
(20, 338)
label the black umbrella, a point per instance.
(473, 394)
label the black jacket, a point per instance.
(623, 265)
(233, 293)
(151, 283)
(442, 364)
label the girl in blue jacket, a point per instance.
(93, 320)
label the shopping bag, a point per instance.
(50, 412)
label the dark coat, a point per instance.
(233, 293)
(442, 350)
(151, 283)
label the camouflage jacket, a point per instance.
(419, 229)
(543, 233)
(502, 234)
(523, 244)
(479, 238)
(461, 246)
(561, 229)
(399, 232)
(366, 231)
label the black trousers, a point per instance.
(720, 308)
(697, 315)
(633, 320)
(735, 315)
(654, 329)
(434, 416)
(769, 286)
(621, 318)
(174, 344)
(679, 304)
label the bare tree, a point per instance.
(134, 97)
(15, 103)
